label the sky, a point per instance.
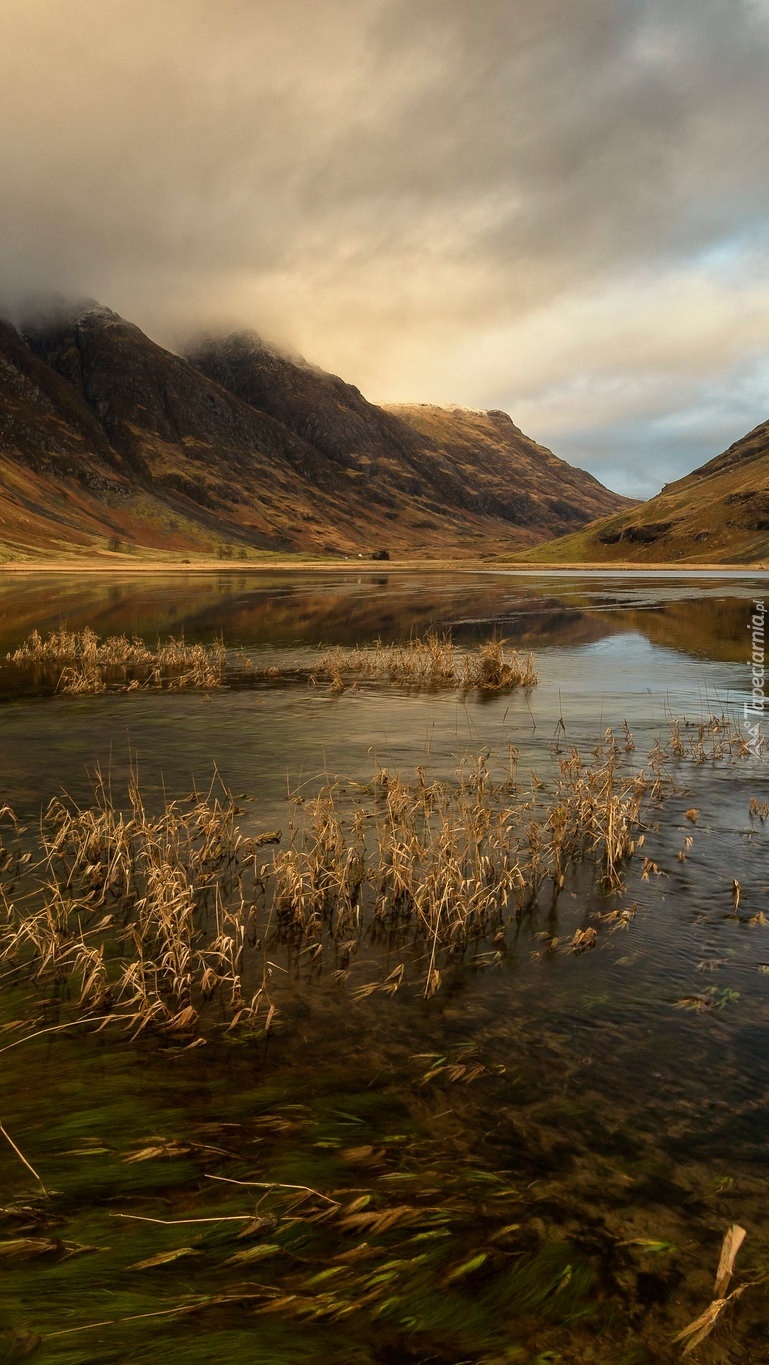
(559, 209)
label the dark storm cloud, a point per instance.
(443, 199)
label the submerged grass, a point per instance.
(378, 1269)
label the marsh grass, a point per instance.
(158, 920)
(141, 918)
(430, 660)
(82, 663)
(707, 740)
(165, 920)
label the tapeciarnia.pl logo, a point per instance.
(756, 707)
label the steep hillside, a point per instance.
(107, 439)
(213, 466)
(549, 495)
(59, 476)
(718, 514)
(436, 460)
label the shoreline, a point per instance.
(288, 564)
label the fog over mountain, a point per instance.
(558, 210)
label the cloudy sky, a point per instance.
(556, 208)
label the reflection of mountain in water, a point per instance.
(712, 628)
(706, 617)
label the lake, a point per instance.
(535, 1159)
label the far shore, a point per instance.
(106, 564)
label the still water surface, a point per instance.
(568, 1202)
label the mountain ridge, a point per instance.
(107, 438)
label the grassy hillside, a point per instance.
(718, 514)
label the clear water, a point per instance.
(585, 1175)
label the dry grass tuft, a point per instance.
(81, 663)
(430, 660)
(142, 918)
(708, 740)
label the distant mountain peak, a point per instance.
(45, 310)
(245, 341)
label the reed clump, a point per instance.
(144, 919)
(430, 660)
(164, 920)
(708, 740)
(82, 663)
(596, 808)
(435, 868)
(153, 920)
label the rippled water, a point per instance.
(585, 1175)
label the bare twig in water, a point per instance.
(22, 1158)
(273, 1185)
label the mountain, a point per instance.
(420, 464)
(58, 472)
(718, 514)
(109, 441)
(549, 491)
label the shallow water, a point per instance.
(566, 1187)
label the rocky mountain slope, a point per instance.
(109, 441)
(549, 491)
(446, 459)
(717, 514)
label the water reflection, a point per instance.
(703, 615)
